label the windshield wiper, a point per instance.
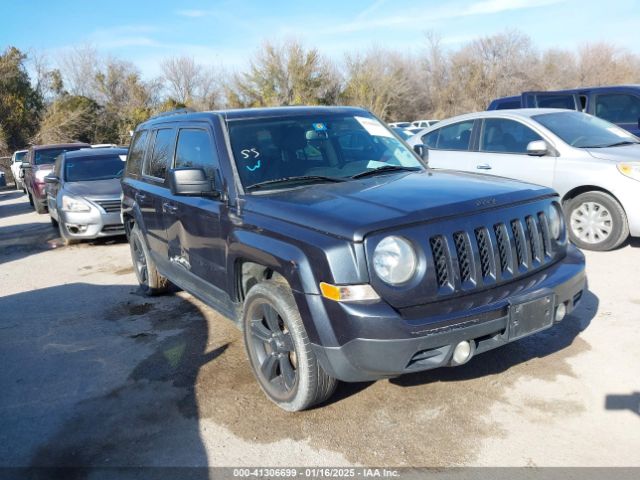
(299, 179)
(386, 168)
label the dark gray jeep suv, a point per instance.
(339, 254)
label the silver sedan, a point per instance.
(593, 164)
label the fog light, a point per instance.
(561, 311)
(462, 352)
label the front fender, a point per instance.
(284, 258)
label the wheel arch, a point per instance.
(573, 193)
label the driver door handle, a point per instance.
(168, 208)
(483, 166)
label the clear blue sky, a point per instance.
(228, 32)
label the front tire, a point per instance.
(279, 349)
(596, 221)
(150, 280)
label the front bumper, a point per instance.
(375, 341)
(90, 225)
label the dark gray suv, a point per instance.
(336, 250)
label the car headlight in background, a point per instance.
(556, 221)
(394, 260)
(631, 170)
(72, 204)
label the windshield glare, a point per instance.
(83, 169)
(584, 131)
(337, 146)
(45, 157)
(20, 156)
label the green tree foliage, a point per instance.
(71, 118)
(285, 74)
(20, 103)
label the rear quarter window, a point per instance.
(136, 153)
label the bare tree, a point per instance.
(182, 75)
(379, 80)
(78, 67)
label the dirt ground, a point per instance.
(94, 374)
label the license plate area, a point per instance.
(531, 316)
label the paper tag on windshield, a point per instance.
(619, 132)
(374, 127)
(123, 158)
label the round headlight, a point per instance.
(394, 260)
(555, 221)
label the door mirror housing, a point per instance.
(51, 178)
(25, 165)
(423, 151)
(192, 182)
(537, 148)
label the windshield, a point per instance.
(44, 157)
(83, 169)
(329, 146)
(585, 131)
(19, 156)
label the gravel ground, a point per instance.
(94, 374)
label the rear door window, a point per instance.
(507, 136)
(567, 102)
(136, 153)
(618, 107)
(451, 137)
(157, 162)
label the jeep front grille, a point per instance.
(463, 255)
(440, 259)
(468, 259)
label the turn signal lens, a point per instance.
(631, 170)
(348, 293)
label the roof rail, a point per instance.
(173, 112)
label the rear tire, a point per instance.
(596, 221)
(30, 199)
(150, 280)
(279, 349)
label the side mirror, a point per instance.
(51, 178)
(423, 151)
(537, 148)
(25, 165)
(191, 182)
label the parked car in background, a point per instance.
(83, 193)
(593, 164)
(16, 162)
(403, 133)
(400, 124)
(424, 123)
(37, 165)
(619, 104)
(104, 145)
(340, 255)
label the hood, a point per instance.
(624, 153)
(95, 189)
(355, 208)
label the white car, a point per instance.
(16, 162)
(593, 164)
(424, 123)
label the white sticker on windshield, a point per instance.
(123, 158)
(374, 127)
(619, 132)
